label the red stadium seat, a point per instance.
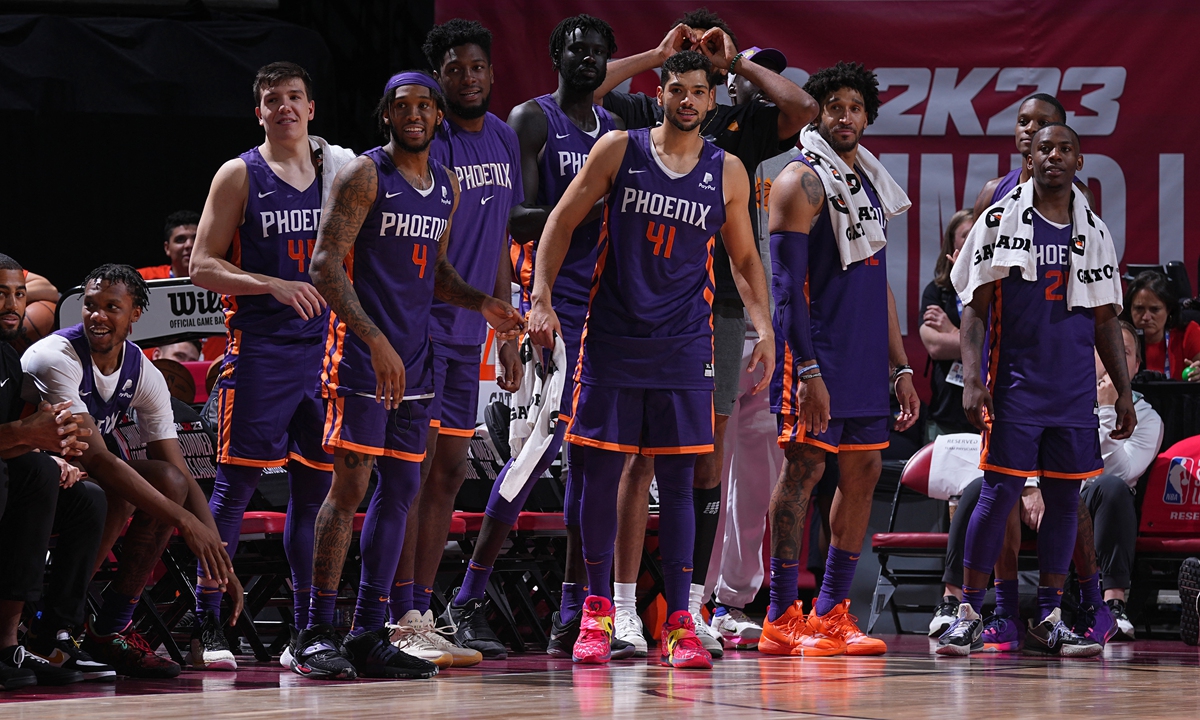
(199, 371)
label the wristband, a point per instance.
(811, 376)
(803, 370)
(733, 63)
(901, 370)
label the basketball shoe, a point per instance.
(1001, 634)
(840, 624)
(944, 616)
(46, 674)
(317, 654)
(1052, 637)
(679, 647)
(62, 650)
(1095, 623)
(628, 630)
(127, 653)
(964, 636)
(1125, 629)
(288, 656)
(471, 628)
(736, 631)
(1189, 597)
(443, 638)
(411, 634)
(373, 656)
(594, 644)
(794, 633)
(209, 648)
(562, 635)
(708, 638)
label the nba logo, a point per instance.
(1178, 478)
(707, 177)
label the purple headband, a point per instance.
(412, 77)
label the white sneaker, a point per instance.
(944, 616)
(709, 638)
(736, 630)
(442, 638)
(628, 627)
(285, 658)
(411, 634)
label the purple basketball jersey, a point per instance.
(1039, 364)
(566, 149)
(1007, 184)
(276, 238)
(649, 321)
(392, 266)
(106, 413)
(488, 165)
(848, 320)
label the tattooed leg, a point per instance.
(802, 469)
(335, 520)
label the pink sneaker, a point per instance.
(679, 646)
(594, 644)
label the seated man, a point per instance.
(99, 372)
(186, 351)
(179, 234)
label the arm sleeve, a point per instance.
(1128, 459)
(636, 110)
(53, 373)
(152, 401)
(789, 268)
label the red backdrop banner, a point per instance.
(951, 75)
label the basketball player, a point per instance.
(483, 152)
(179, 236)
(838, 334)
(379, 261)
(556, 132)
(1037, 421)
(253, 245)
(644, 376)
(93, 366)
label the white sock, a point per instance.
(696, 598)
(625, 596)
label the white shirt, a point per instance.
(1128, 459)
(53, 373)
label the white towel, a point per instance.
(534, 415)
(857, 228)
(1003, 239)
(333, 158)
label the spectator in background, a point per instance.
(1171, 344)
(179, 233)
(186, 351)
(939, 334)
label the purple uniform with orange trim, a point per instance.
(268, 405)
(848, 332)
(645, 376)
(392, 268)
(488, 166)
(1038, 369)
(1007, 184)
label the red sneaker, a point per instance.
(679, 646)
(838, 623)
(128, 653)
(594, 644)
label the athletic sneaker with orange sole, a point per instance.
(679, 646)
(594, 644)
(794, 633)
(840, 624)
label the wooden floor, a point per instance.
(1144, 679)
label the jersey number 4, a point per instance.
(301, 251)
(1056, 280)
(656, 233)
(420, 257)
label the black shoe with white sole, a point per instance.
(1189, 597)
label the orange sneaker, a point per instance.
(793, 633)
(679, 646)
(839, 623)
(594, 644)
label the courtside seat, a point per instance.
(1172, 545)
(541, 523)
(472, 522)
(199, 371)
(257, 525)
(934, 542)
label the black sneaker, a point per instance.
(12, 678)
(944, 616)
(965, 634)
(210, 650)
(1051, 637)
(1189, 597)
(373, 656)
(563, 636)
(1125, 629)
(621, 649)
(472, 629)
(44, 672)
(317, 654)
(63, 651)
(289, 651)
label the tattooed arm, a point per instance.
(975, 395)
(449, 287)
(350, 199)
(1110, 345)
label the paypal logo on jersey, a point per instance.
(446, 197)
(706, 183)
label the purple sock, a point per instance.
(784, 577)
(382, 538)
(116, 611)
(573, 595)
(985, 530)
(321, 606)
(1008, 598)
(401, 599)
(974, 597)
(1060, 525)
(839, 576)
(598, 515)
(208, 598)
(474, 584)
(422, 594)
(370, 611)
(307, 490)
(231, 494)
(1048, 599)
(1089, 590)
(677, 527)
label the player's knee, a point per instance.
(168, 480)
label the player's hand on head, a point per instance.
(814, 406)
(389, 373)
(764, 353)
(976, 401)
(300, 296)
(1126, 417)
(507, 322)
(910, 404)
(543, 324)
(510, 371)
(679, 38)
(718, 47)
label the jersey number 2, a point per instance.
(1056, 278)
(656, 233)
